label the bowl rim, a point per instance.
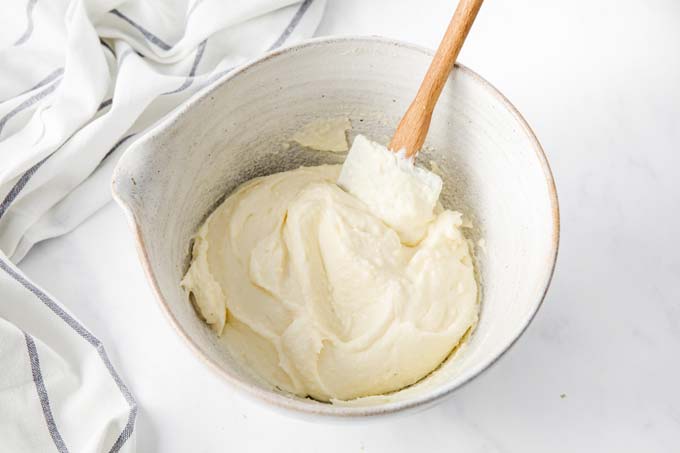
(288, 402)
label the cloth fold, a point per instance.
(79, 81)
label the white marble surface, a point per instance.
(599, 369)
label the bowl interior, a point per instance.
(493, 171)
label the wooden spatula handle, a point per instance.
(412, 129)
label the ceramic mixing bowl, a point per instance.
(493, 168)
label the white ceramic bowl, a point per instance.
(493, 167)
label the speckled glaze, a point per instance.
(493, 167)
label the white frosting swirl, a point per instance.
(337, 294)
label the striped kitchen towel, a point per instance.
(79, 81)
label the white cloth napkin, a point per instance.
(79, 81)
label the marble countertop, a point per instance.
(599, 368)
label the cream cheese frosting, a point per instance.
(337, 282)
